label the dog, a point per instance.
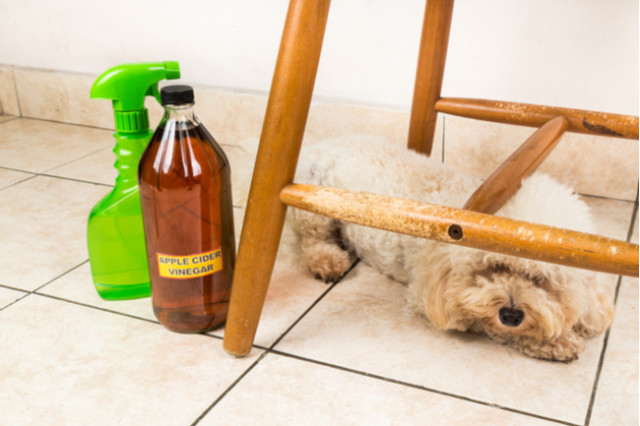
(542, 309)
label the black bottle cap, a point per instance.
(177, 94)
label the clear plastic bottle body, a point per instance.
(185, 188)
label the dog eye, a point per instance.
(535, 279)
(499, 268)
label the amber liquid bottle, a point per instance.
(185, 188)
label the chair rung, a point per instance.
(505, 181)
(580, 121)
(467, 228)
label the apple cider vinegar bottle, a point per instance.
(185, 188)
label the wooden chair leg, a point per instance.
(505, 181)
(282, 132)
(429, 75)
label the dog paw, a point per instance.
(327, 262)
(585, 331)
(595, 322)
(565, 348)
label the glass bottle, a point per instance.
(185, 188)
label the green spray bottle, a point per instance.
(115, 232)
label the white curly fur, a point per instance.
(457, 288)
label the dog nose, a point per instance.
(510, 317)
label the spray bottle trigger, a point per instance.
(155, 92)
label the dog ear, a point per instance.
(436, 279)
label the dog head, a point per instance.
(507, 297)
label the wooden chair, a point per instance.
(473, 226)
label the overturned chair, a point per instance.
(272, 188)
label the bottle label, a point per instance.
(191, 266)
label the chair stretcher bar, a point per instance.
(468, 228)
(580, 121)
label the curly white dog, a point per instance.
(542, 309)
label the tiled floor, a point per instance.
(350, 353)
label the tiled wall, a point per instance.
(594, 165)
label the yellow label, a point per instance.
(191, 266)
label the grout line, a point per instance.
(15, 89)
(605, 343)
(13, 169)
(50, 296)
(615, 296)
(30, 292)
(14, 117)
(602, 197)
(14, 288)
(48, 120)
(270, 348)
(226, 391)
(74, 302)
(313, 305)
(596, 381)
(104, 148)
(634, 214)
(419, 387)
(44, 174)
(74, 179)
(61, 275)
(443, 137)
(17, 300)
(33, 176)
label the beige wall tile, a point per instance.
(230, 116)
(61, 97)
(4, 118)
(8, 95)
(329, 120)
(593, 165)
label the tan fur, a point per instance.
(457, 288)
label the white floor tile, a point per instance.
(11, 177)
(43, 226)
(364, 324)
(95, 167)
(291, 292)
(69, 364)
(37, 146)
(8, 296)
(77, 286)
(616, 400)
(75, 364)
(281, 390)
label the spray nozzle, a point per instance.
(127, 86)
